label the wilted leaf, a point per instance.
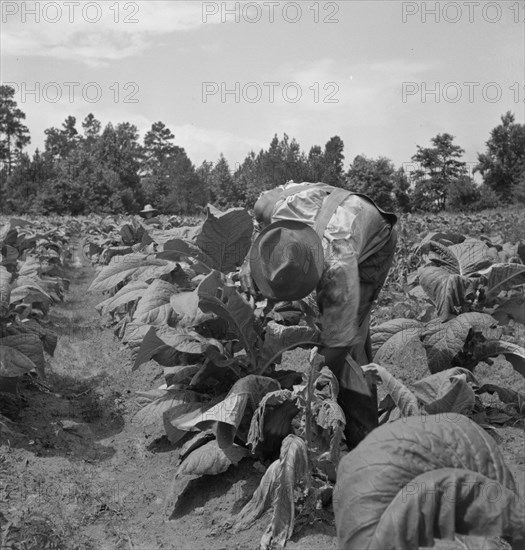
(234, 412)
(292, 471)
(404, 399)
(274, 414)
(261, 499)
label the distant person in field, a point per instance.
(328, 244)
(149, 214)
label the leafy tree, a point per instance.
(333, 158)
(374, 178)
(439, 166)
(402, 190)
(222, 187)
(463, 194)
(14, 135)
(60, 142)
(315, 164)
(91, 128)
(503, 164)
(27, 181)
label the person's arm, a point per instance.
(338, 300)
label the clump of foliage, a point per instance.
(31, 281)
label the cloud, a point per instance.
(207, 144)
(95, 33)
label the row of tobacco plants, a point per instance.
(32, 280)
(172, 296)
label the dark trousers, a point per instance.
(360, 406)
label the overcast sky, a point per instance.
(226, 76)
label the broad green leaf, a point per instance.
(433, 387)
(383, 332)
(504, 277)
(180, 374)
(30, 345)
(172, 432)
(512, 308)
(129, 293)
(154, 307)
(225, 238)
(218, 296)
(14, 363)
(210, 459)
(454, 395)
(165, 347)
(513, 353)
(150, 417)
(443, 341)
(279, 338)
(445, 289)
(464, 259)
(48, 338)
(186, 306)
(386, 466)
(177, 249)
(122, 267)
(480, 506)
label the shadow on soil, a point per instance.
(65, 417)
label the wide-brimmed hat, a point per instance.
(148, 208)
(286, 260)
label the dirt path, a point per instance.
(81, 474)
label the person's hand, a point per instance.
(245, 278)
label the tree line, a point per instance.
(95, 169)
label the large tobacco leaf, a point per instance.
(208, 459)
(121, 268)
(154, 307)
(386, 466)
(225, 238)
(14, 363)
(30, 345)
(217, 295)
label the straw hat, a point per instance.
(286, 260)
(148, 208)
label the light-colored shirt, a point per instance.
(355, 232)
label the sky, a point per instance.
(225, 77)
